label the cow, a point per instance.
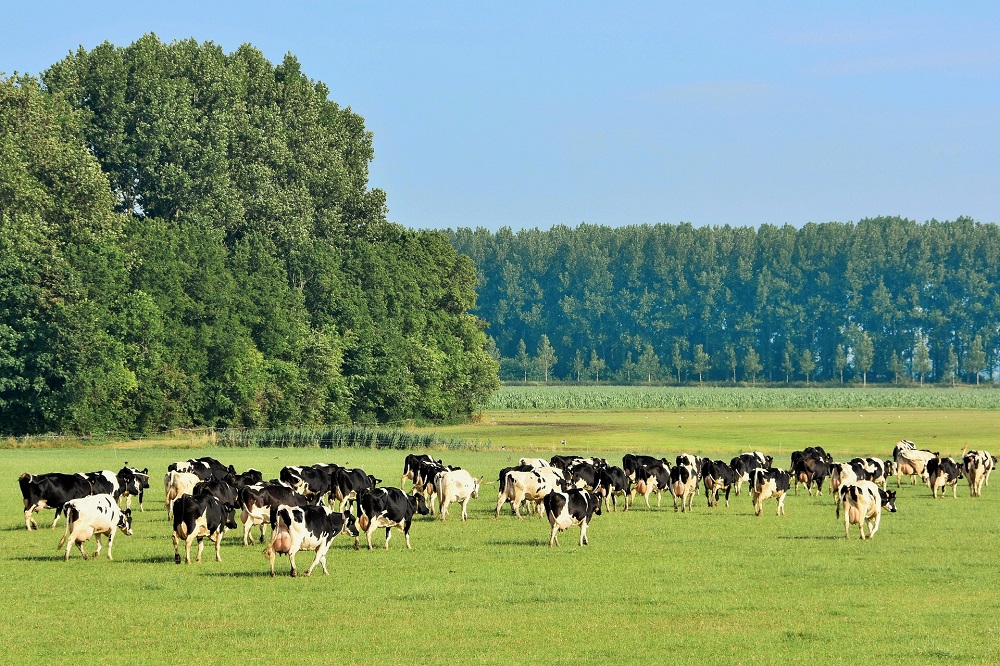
(744, 466)
(309, 527)
(717, 476)
(177, 484)
(585, 475)
(863, 503)
(809, 470)
(423, 481)
(910, 461)
(456, 486)
(197, 517)
(976, 466)
(941, 473)
(614, 482)
(256, 502)
(683, 485)
(692, 462)
(632, 462)
(844, 473)
(133, 484)
(565, 463)
(769, 484)
(347, 483)
(572, 507)
(651, 479)
(388, 508)
(205, 468)
(311, 481)
(411, 464)
(518, 486)
(103, 482)
(248, 478)
(533, 462)
(93, 516)
(50, 491)
(221, 490)
(877, 471)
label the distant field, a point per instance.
(739, 398)
(718, 585)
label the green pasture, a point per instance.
(717, 585)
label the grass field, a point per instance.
(717, 585)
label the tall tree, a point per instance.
(921, 357)
(840, 361)
(751, 365)
(807, 363)
(596, 365)
(649, 363)
(864, 355)
(975, 360)
(546, 356)
(701, 363)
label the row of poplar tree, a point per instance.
(880, 300)
(187, 237)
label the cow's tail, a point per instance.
(72, 514)
(24, 481)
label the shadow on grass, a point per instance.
(46, 558)
(519, 542)
(263, 573)
(153, 559)
(813, 537)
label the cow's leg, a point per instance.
(501, 500)
(518, 498)
(675, 502)
(368, 533)
(97, 540)
(444, 510)
(201, 547)
(553, 538)
(583, 533)
(781, 504)
(291, 559)
(247, 526)
(465, 508)
(56, 519)
(406, 532)
(388, 535)
(177, 552)
(217, 538)
(29, 519)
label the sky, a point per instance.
(532, 114)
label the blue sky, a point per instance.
(529, 114)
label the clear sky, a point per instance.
(529, 114)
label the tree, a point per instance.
(787, 364)
(975, 359)
(751, 364)
(729, 353)
(921, 357)
(864, 355)
(677, 359)
(951, 366)
(897, 366)
(649, 363)
(807, 363)
(701, 363)
(840, 361)
(629, 366)
(595, 366)
(522, 361)
(578, 365)
(546, 356)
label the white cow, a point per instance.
(176, 484)
(516, 487)
(93, 516)
(456, 486)
(863, 503)
(977, 465)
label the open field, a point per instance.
(717, 585)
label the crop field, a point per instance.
(716, 585)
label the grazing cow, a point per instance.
(205, 468)
(683, 485)
(585, 475)
(976, 465)
(248, 478)
(863, 503)
(632, 462)
(347, 483)
(456, 486)
(388, 508)
(311, 481)
(744, 466)
(256, 502)
(517, 486)
(941, 473)
(93, 516)
(175, 485)
(717, 476)
(613, 482)
(651, 479)
(573, 507)
(534, 462)
(308, 527)
(769, 484)
(197, 517)
(50, 491)
(133, 484)
(220, 490)
(411, 464)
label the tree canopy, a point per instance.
(187, 237)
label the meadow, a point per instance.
(717, 584)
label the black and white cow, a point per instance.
(296, 528)
(308, 480)
(614, 482)
(572, 507)
(204, 468)
(197, 517)
(744, 466)
(388, 508)
(863, 504)
(683, 486)
(103, 482)
(133, 483)
(976, 466)
(93, 516)
(717, 476)
(809, 469)
(633, 461)
(769, 484)
(347, 483)
(257, 501)
(651, 479)
(411, 464)
(941, 473)
(221, 490)
(50, 491)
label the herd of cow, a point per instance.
(202, 495)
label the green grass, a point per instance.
(717, 585)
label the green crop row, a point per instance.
(521, 398)
(345, 437)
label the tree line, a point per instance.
(881, 300)
(187, 237)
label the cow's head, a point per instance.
(125, 522)
(595, 499)
(373, 480)
(419, 505)
(350, 524)
(888, 500)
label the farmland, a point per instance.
(714, 585)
